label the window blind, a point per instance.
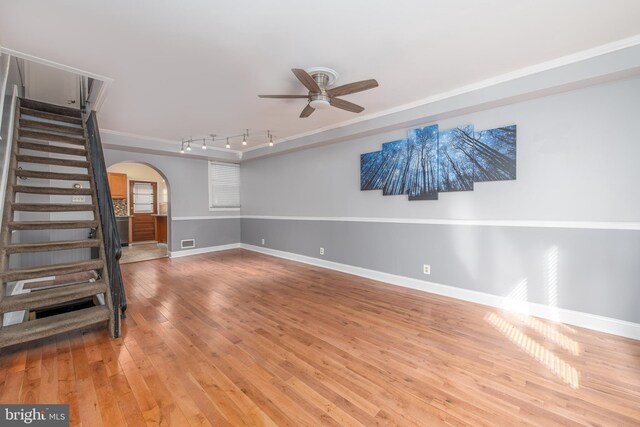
(224, 185)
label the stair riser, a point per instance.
(52, 175)
(50, 270)
(42, 328)
(50, 108)
(49, 247)
(24, 133)
(46, 207)
(51, 148)
(49, 116)
(50, 297)
(44, 126)
(52, 161)
(52, 225)
(53, 190)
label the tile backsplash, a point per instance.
(120, 207)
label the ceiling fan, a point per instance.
(318, 80)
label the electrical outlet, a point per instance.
(77, 199)
(263, 241)
(321, 251)
(426, 269)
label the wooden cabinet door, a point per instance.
(117, 185)
(143, 199)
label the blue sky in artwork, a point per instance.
(495, 154)
(455, 159)
(370, 172)
(423, 163)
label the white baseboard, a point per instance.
(177, 254)
(584, 320)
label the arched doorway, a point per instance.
(141, 202)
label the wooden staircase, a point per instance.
(51, 137)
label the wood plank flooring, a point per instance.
(238, 338)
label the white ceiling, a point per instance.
(191, 68)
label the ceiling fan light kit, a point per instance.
(318, 81)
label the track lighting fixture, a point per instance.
(209, 142)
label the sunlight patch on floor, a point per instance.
(550, 360)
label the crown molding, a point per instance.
(473, 87)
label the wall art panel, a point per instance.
(429, 161)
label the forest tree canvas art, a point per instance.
(455, 159)
(423, 163)
(495, 154)
(431, 161)
(394, 165)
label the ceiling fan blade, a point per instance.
(306, 79)
(353, 87)
(283, 96)
(345, 105)
(306, 112)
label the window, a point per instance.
(224, 186)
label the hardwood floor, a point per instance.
(239, 338)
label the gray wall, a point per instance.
(187, 180)
(577, 161)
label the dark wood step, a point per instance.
(46, 136)
(50, 116)
(53, 190)
(48, 297)
(52, 161)
(46, 126)
(50, 270)
(23, 173)
(62, 245)
(40, 328)
(52, 207)
(51, 225)
(50, 108)
(25, 145)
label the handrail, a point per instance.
(113, 249)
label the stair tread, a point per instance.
(40, 328)
(50, 108)
(52, 296)
(49, 116)
(53, 175)
(53, 207)
(50, 270)
(26, 145)
(47, 126)
(48, 136)
(60, 245)
(52, 190)
(51, 225)
(52, 161)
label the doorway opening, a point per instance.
(140, 196)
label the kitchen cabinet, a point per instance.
(118, 185)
